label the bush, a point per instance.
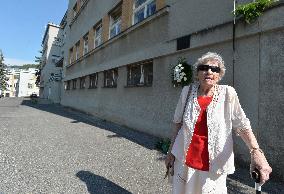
(251, 11)
(163, 145)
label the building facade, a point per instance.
(21, 83)
(26, 83)
(119, 55)
(12, 89)
(51, 73)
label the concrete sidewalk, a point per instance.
(238, 183)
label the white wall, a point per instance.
(51, 88)
(27, 77)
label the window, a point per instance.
(70, 55)
(93, 80)
(143, 9)
(86, 44)
(55, 58)
(110, 78)
(183, 42)
(57, 41)
(82, 82)
(75, 10)
(140, 74)
(115, 22)
(68, 85)
(30, 86)
(74, 84)
(82, 2)
(77, 50)
(98, 35)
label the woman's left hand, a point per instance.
(169, 162)
(259, 161)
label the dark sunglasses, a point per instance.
(214, 69)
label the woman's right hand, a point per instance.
(259, 161)
(169, 162)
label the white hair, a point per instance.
(210, 56)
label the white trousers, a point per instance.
(191, 181)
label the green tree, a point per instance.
(3, 72)
(25, 66)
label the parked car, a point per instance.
(33, 95)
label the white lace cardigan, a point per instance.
(224, 113)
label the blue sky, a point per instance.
(22, 26)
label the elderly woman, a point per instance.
(201, 152)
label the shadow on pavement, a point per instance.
(138, 137)
(98, 184)
(238, 183)
(235, 188)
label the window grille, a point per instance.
(140, 74)
(82, 82)
(74, 84)
(93, 80)
(68, 85)
(110, 78)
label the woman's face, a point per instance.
(208, 76)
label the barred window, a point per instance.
(74, 84)
(82, 82)
(140, 74)
(110, 78)
(93, 80)
(68, 85)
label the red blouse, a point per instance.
(197, 154)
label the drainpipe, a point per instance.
(234, 40)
